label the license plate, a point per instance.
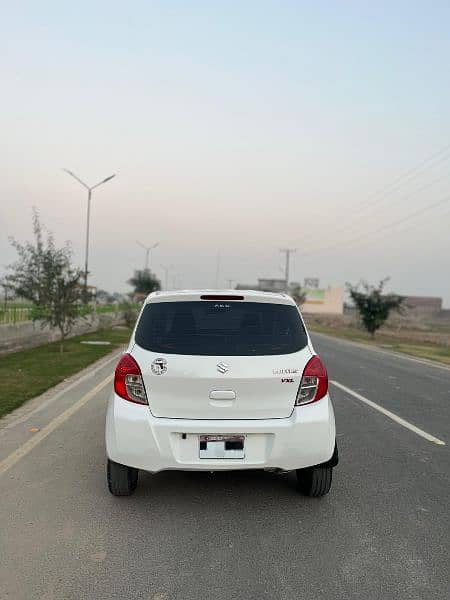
(222, 446)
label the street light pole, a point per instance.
(89, 189)
(166, 270)
(147, 249)
(86, 252)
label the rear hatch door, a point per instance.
(221, 360)
(221, 387)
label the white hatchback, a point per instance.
(220, 381)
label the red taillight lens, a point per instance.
(128, 383)
(314, 383)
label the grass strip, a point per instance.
(28, 373)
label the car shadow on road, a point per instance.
(258, 485)
(242, 502)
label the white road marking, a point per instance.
(389, 414)
(393, 353)
(15, 456)
(65, 389)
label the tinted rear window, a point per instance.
(214, 328)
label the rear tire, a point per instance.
(122, 480)
(314, 481)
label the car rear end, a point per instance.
(220, 381)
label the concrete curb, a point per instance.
(38, 403)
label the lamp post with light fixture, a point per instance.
(166, 269)
(147, 249)
(89, 189)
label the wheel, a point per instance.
(314, 481)
(122, 480)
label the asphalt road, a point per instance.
(382, 532)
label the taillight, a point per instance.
(314, 383)
(128, 383)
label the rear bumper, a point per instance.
(137, 439)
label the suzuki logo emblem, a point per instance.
(223, 367)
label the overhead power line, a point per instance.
(409, 173)
(387, 190)
(355, 223)
(444, 220)
(400, 221)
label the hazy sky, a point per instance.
(239, 127)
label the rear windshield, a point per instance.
(214, 328)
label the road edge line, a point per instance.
(23, 450)
(402, 355)
(388, 413)
(94, 368)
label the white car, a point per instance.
(220, 381)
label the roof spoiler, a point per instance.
(220, 297)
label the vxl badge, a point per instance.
(223, 367)
(159, 366)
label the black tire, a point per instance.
(122, 480)
(314, 481)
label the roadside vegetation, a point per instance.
(31, 372)
(297, 293)
(44, 276)
(144, 282)
(15, 312)
(373, 306)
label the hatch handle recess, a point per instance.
(222, 395)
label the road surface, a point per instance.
(382, 532)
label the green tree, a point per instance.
(144, 282)
(373, 306)
(44, 275)
(104, 296)
(297, 293)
